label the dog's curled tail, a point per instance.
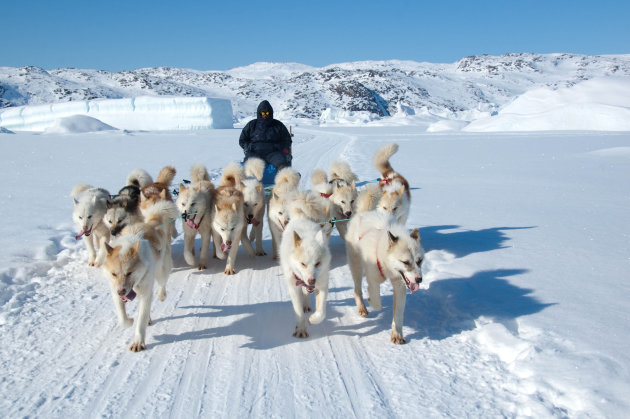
(255, 167)
(368, 198)
(166, 175)
(342, 170)
(198, 173)
(382, 156)
(288, 176)
(139, 178)
(79, 188)
(161, 214)
(232, 175)
(318, 177)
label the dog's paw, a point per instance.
(261, 253)
(150, 322)
(398, 339)
(201, 267)
(137, 347)
(229, 270)
(300, 333)
(362, 311)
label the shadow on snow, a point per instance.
(447, 308)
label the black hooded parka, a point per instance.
(266, 138)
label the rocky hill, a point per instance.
(471, 87)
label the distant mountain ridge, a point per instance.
(471, 87)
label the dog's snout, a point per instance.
(122, 292)
(348, 214)
(228, 243)
(418, 279)
(311, 281)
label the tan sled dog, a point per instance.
(395, 197)
(381, 249)
(344, 193)
(254, 201)
(286, 183)
(195, 206)
(310, 205)
(133, 262)
(228, 218)
(159, 191)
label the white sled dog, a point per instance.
(133, 262)
(285, 186)
(90, 206)
(344, 193)
(195, 205)
(382, 249)
(254, 201)
(305, 261)
(228, 218)
(124, 209)
(395, 197)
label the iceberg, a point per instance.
(150, 113)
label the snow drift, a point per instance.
(136, 113)
(601, 104)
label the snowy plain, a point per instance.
(523, 311)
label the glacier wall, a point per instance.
(137, 113)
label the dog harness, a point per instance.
(378, 262)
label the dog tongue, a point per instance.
(255, 222)
(413, 287)
(129, 297)
(225, 247)
(85, 231)
(191, 223)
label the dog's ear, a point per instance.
(109, 249)
(76, 201)
(353, 184)
(275, 196)
(136, 246)
(259, 187)
(392, 239)
(163, 194)
(182, 188)
(297, 240)
(234, 206)
(415, 234)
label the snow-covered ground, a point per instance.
(523, 313)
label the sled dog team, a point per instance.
(129, 235)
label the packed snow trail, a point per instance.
(477, 345)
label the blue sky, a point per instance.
(207, 35)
